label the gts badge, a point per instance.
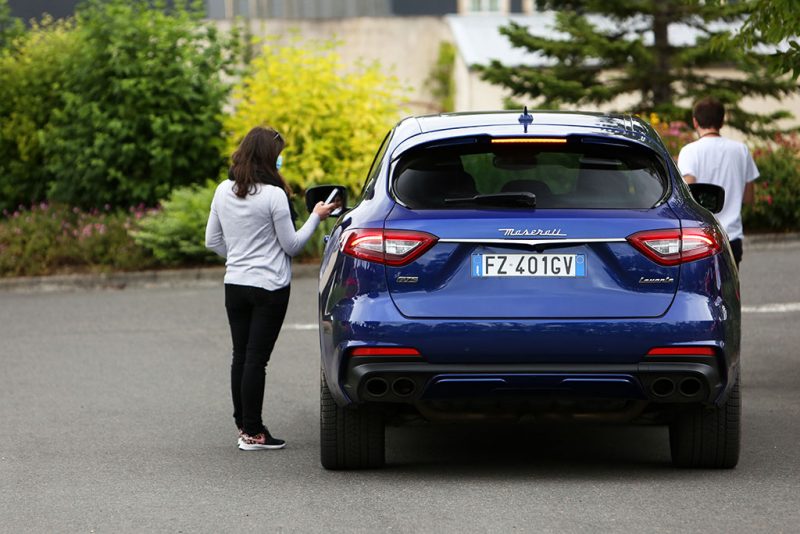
(407, 279)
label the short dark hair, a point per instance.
(709, 113)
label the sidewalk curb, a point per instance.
(756, 241)
(192, 277)
(212, 276)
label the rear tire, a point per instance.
(708, 437)
(352, 437)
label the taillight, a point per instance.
(682, 351)
(673, 246)
(384, 351)
(389, 247)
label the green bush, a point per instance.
(176, 233)
(777, 191)
(119, 106)
(47, 239)
(32, 72)
(10, 27)
(332, 118)
(142, 105)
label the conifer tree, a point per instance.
(610, 48)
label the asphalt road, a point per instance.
(115, 417)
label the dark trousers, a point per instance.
(736, 248)
(255, 316)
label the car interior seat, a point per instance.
(426, 183)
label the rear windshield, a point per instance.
(572, 175)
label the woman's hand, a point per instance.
(324, 210)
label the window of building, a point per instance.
(484, 6)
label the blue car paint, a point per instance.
(357, 309)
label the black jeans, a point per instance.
(255, 316)
(736, 248)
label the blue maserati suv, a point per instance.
(528, 266)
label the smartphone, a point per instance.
(331, 198)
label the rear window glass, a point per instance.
(523, 175)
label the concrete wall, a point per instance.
(406, 46)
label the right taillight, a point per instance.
(389, 247)
(676, 246)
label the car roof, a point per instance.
(504, 123)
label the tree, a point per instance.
(616, 47)
(775, 23)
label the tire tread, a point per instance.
(708, 437)
(350, 438)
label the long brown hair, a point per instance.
(254, 162)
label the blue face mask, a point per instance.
(279, 162)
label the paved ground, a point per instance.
(114, 417)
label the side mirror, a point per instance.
(320, 193)
(710, 196)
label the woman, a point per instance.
(251, 224)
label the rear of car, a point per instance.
(535, 270)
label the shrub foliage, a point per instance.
(46, 239)
(32, 71)
(118, 106)
(332, 120)
(776, 207)
(176, 233)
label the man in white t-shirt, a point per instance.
(714, 159)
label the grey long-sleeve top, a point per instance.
(255, 235)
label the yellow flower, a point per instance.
(654, 120)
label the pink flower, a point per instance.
(769, 199)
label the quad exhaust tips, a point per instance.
(378, 387)
(667, 388)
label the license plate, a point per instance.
(538, 265)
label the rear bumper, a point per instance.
(411, 382)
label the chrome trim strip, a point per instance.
(534, 242)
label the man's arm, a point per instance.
(749, 193)
(689, 179)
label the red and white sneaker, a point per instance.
(260, 442)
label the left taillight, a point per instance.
(389, 247)
(676, 246)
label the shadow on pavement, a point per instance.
(540, 450)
